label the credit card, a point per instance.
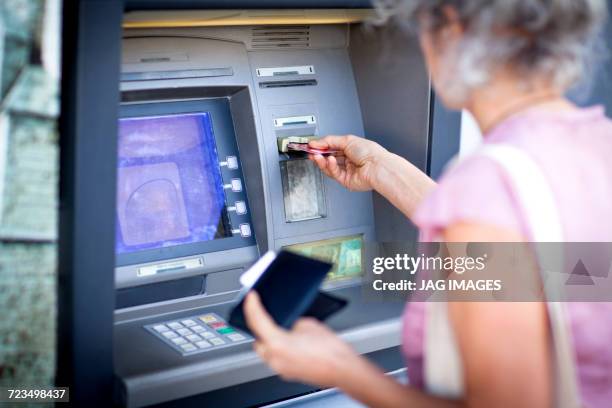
(303, 147)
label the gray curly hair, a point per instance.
(554, 39)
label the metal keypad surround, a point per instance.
(196, 334)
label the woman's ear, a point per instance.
(453, 28)
(435, 40)
(439, 42)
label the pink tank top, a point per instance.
(574, 150)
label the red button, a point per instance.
(217, 325)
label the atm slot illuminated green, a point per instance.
(346, 253)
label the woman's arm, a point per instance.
(366, 165)
(504, 346)
(312, 353)
(402, 183)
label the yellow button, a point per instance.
(208, 318)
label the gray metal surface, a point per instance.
(335, 105)
(151, 372)
(319, 37)
(332, 397)
(333, 100)
(394, 106)
(394, 91)
(172, 54)
(176, 74)
(127, 276)
(246, 136)
(243, 4)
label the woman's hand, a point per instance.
(313, 354)
(365, 165)
(309, 353)
(356, 169)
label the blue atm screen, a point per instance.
(170, 190)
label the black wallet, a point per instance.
(325, 305)
(289, 289)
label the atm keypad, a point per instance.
(203, 344)
(187, 348)
(208, 318)
(160, 328)
(236, 336)
(188, 322)
(207, 335)
(197, 333)
(170, 335)
(217, 341)
(184, 332)
(175, 325)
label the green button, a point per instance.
(225, 330)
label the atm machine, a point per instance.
(208, 100)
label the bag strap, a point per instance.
(537, 204)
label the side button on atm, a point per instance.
(231, 162)
(244, 230)
(235, 185)
(239, 207)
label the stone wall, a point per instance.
(29, 107)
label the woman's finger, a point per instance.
(330, 142)
(321, 162)
(333, 168)
(258, 319)
(341, 160)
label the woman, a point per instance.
(508, 62)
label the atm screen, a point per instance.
(170, 191)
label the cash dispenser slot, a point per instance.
(303, 186)
(303, 190)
